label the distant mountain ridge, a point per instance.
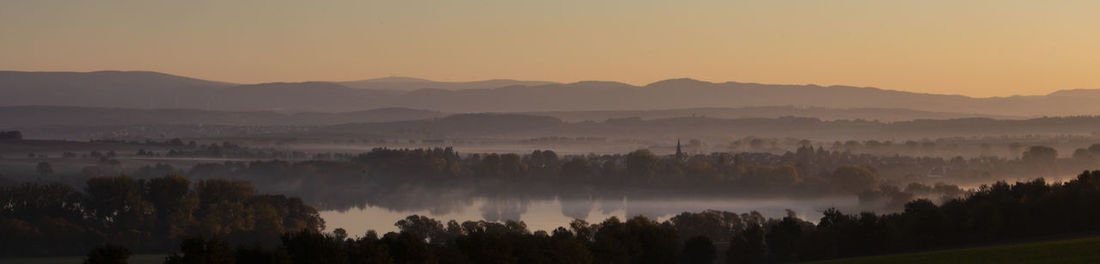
(412, 84)
(823, 113)
(158, 90)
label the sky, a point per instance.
(974, 48)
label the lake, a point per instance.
(548, 214)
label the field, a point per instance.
(1084, 250)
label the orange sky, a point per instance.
(977, 48)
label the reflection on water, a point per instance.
(547, 214)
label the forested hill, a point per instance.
(157, 90)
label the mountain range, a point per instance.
(411, 84)
(151, 90)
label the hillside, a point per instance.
(104, 88)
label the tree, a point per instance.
(1094, 149)
(699, 250)
(638, 240)
(1043, 160)
(108, 254)
(576, 170)
(217, 190)
(145, 216)
(642, 164)
(1082, 154)
(854, 179)
(715, 225)
(1040, 154)
(924, 223)
(174, 202)
(202, 251)
(512, 166)
(310, 246)
(783, 237)
(420, 226)
(748, 247)
(407, 248)
(118, 202)
(368, 250)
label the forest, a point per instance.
(144, 215)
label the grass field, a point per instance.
(135, 259)
(1084, 250)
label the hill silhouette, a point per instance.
(412, 84)
(157, 90)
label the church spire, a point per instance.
(679, 152)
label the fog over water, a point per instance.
(576, 149)
(548, 214)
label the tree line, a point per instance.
(807, 172)
(144, 215)
(818, 169)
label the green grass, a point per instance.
(1084, 250)
(135, 259)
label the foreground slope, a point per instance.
(1084, 250)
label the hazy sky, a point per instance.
(978, 48)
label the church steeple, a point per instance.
(679, 152)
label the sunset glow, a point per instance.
(976, 48)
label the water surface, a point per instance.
(548, 214)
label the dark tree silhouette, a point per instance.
(108, 254)
(199, 250)
(698, 250)
(748, 247)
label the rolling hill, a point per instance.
(411, 84)
(157, 90)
